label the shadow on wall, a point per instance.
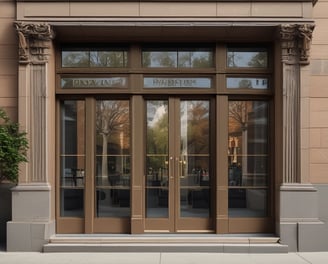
(5, 210)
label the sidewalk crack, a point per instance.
(303, 258)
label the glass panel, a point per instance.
(75, 59)
(247, 83)
(248, 157)
(113, 159)
(195, 59)
(72, 158)
(177, 58)
(247, 58)
(194, 159)
(94, 58)
(165, 82)
(157, 159)
(116, 59)
(159, 59)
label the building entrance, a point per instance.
(155, 139)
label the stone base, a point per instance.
(31, 225)
(27, 236)
(301, 226)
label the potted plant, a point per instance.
(13, 150)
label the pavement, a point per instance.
(161, 258)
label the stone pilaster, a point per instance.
(34, 43)
(32, 218)
(298, 199)
(295, 45)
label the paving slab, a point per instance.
(79, 258)
(315, 257)
(161, 258)
(205, 258)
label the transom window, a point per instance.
(94, 57)
(241, 57)
(177, 58)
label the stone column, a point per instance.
(32, 217)
(295, 45)
(298, 198)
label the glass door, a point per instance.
(112, 166)
(178, 175)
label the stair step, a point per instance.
(162, 243)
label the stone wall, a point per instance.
(8, 58)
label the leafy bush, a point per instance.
(13, 148)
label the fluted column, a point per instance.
(295, 45)
(34, 43)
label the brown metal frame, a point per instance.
(219, 96)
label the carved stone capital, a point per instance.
(296, 42)
(33, 41)
(305, 36)
(289, 47)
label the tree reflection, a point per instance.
(112, 124)
(75, 59)
(238, 112)
(177, 59)
(108, 58)
(96, 58)
(195, 127)
(255, 58)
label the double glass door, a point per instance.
(178, 165)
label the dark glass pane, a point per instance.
(247, 58)
(113, 169)
(247, 202)
(247, 83)
(248, 156)
(157, 163)
(72, 158)
(194, 170)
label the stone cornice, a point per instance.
(241, 1)
(273, 1)
(34, 41)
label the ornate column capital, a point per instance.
(304, 42)
(296, 42)
(33, 41)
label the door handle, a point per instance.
(171, 167)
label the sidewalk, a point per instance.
(161, 258)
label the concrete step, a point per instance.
(162, 243)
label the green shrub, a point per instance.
(13, 148)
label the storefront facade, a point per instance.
(159, 117)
